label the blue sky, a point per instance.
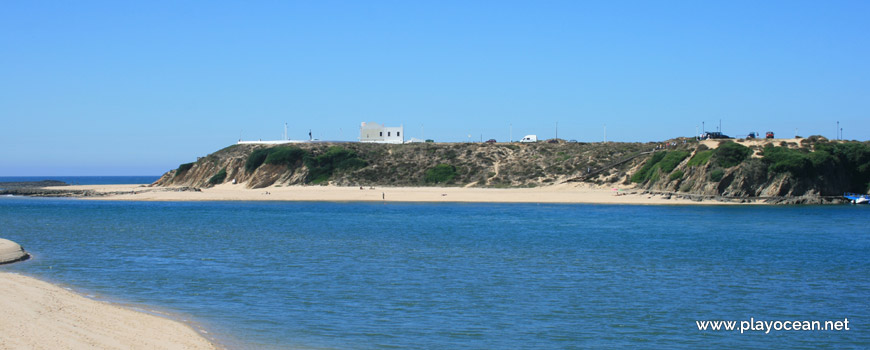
(135, 88)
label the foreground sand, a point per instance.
(566, 193)
(38, 315)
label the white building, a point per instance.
(377, 133)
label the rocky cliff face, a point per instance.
(474, 164)
(680, 166)
(814, 171)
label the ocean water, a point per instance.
(86, 180)
(462, 276)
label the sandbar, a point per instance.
(40, 315)
(561, 193)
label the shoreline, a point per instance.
(563, 193)
(42, 315)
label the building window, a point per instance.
(388, 133)
(381, 133)
(397, 134)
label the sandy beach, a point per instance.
(40, 315)
(563, 193)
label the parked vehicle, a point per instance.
(751, 135)
(530, 138)
(769, 135)
(491, 141)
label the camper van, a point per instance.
(530, 138)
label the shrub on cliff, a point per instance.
(218, 178)
(183, 168)
(716, 175)
(648, 168)
(730, 154)
(441, 173)
(256, 158)
(850, 158)
(322, 166)
(288, 156)
(784, 159)
(701, 157)
(671, 160)
(661, 163)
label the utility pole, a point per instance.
(838, 130)
(703, 130)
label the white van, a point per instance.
(530, 138)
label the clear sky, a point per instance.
(137, 87)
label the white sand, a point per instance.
(38, 315)
(563, 193)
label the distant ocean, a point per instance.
(278, 275)
(86, 180)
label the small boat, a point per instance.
(856, 198)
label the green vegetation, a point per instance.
(256, 158)
(686, 187)
(322, 166)
(646, 171)
(671, 160)
(730, 154)
(850, 158)
(288, 156)
(676, 175)
(219, 177)
(716, 175)
(183, 168)
(659, 164)
(441, 173)
(700, 158)
(783, 159)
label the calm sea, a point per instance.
(462, 276)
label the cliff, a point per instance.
(418, 164)
(812, 170)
